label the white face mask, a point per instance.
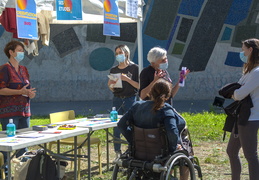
(163, 66)
(19, 57)
(120, 58)
(243, 57)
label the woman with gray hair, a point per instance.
(157, 69)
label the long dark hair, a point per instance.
(253, 59)
(160, 92)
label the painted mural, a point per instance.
(203, 35)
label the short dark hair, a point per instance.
(12, 46)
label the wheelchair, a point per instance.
(148, 158)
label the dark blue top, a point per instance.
(141, 115)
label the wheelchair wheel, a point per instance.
(178, 162)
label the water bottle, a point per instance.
(10, 128)
(181, 81)
(114, 115)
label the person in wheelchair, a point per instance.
(151, 114)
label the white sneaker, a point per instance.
(118, 154)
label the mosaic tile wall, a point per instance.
(203, 35)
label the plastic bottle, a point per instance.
(114, 115)
(10, 128)
(181, 81)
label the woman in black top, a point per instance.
(157, 69)
(123, 97)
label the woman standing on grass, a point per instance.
(247, 134)
(123, 97)
(15, 90)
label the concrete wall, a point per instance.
(203, 35)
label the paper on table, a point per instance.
(29, 136)
(10, 140)
(116, 77)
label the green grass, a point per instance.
(206, 126)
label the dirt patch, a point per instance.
(212, 157)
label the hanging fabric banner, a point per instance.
(69, 9)
(26, 19)
(111, 25)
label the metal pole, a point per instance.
(140, 40)
(140, 45)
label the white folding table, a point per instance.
(9, 144)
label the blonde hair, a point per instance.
(124, 48)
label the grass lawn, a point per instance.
(206, 134)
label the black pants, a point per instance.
(247, 139)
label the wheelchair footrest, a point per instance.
(130, 163)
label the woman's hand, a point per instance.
(124, 77)
(32, 93)
(111, 84)
(28, 92)
(159, 74)
(184, 76)
(179, 147)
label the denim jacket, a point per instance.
(141, 115)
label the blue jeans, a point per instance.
(20, 123)
(122, 106)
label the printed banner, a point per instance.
(69, 9)
(111, 25)
(132, 8)
(26, 19)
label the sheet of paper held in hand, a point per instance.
(116, 77)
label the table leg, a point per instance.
(75, 157)
(89, 155)
(107, 149)
(58, 152)
(9, 165)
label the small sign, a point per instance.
(69, 9)
(132, 8)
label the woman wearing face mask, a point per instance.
(157, 69)
(123, 97)
(15, 89)
(247, 133)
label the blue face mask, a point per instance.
(19, 57)
(120, 58)
(243, 57)
(163, 66)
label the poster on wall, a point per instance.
(132, 8)
(69, 9)
(26, 19)
(111, 24)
